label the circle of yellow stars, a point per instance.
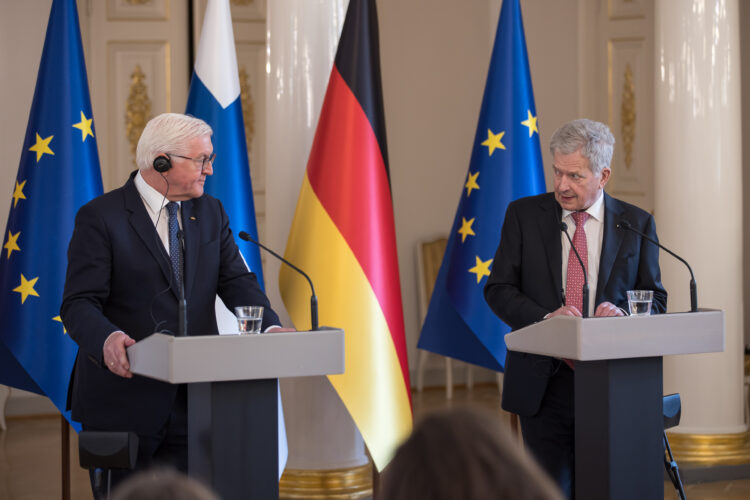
(41, 147)
(492, 143)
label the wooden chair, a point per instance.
(429, 258)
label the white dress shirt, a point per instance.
(156, 206)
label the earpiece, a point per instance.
(162, 164)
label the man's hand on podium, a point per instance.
(275, 329)
(564, 311)
(606, 309)
(114, 354)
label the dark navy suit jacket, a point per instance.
(526, 280)
(119, 278)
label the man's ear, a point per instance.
(605, 177)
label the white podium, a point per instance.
(232, 398)
(619, 448)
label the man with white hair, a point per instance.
(536, 275)
(131, 250)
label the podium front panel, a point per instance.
(213, 358)
(589, 339)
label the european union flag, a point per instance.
(58, 172)
(215, 98)
(506, 164)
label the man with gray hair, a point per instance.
(131, 252)
(536, 275)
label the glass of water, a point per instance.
(249, 318)
(639, 302)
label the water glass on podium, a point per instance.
(249, 319)
(639, 302)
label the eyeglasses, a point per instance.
(199, 162)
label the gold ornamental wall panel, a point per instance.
(251, 64)
(138, 107)
(139, 89)
(137, 10)
(629, 103)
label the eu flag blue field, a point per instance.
(58, 172)
(506, 164)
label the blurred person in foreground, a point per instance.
(464, 454)
(162, 483)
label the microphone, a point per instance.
(693, 291)
(585, 289)
(313, 298)
(182, 304)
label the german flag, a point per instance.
(343, 234)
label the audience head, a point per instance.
(162, 484)
(464, 454)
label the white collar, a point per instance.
(596, 210)
(151, 197)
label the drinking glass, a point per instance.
(639, 302)
(249, 319)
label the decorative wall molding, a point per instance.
(628, 115)
(627, 9)
(248, 108)
(151, 35)
(628, 75)
(248, 10)
(140, 82)
(138, 108)
(137, 10)
(251, 61)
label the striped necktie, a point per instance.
(175, 248)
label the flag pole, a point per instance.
(65, 450)
(375, 475)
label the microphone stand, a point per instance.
(693, 288)
(585, 289)
(182, 304)
(313, 298)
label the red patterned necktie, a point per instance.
(574, 281)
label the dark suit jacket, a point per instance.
(118, 278)
(526, 280)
